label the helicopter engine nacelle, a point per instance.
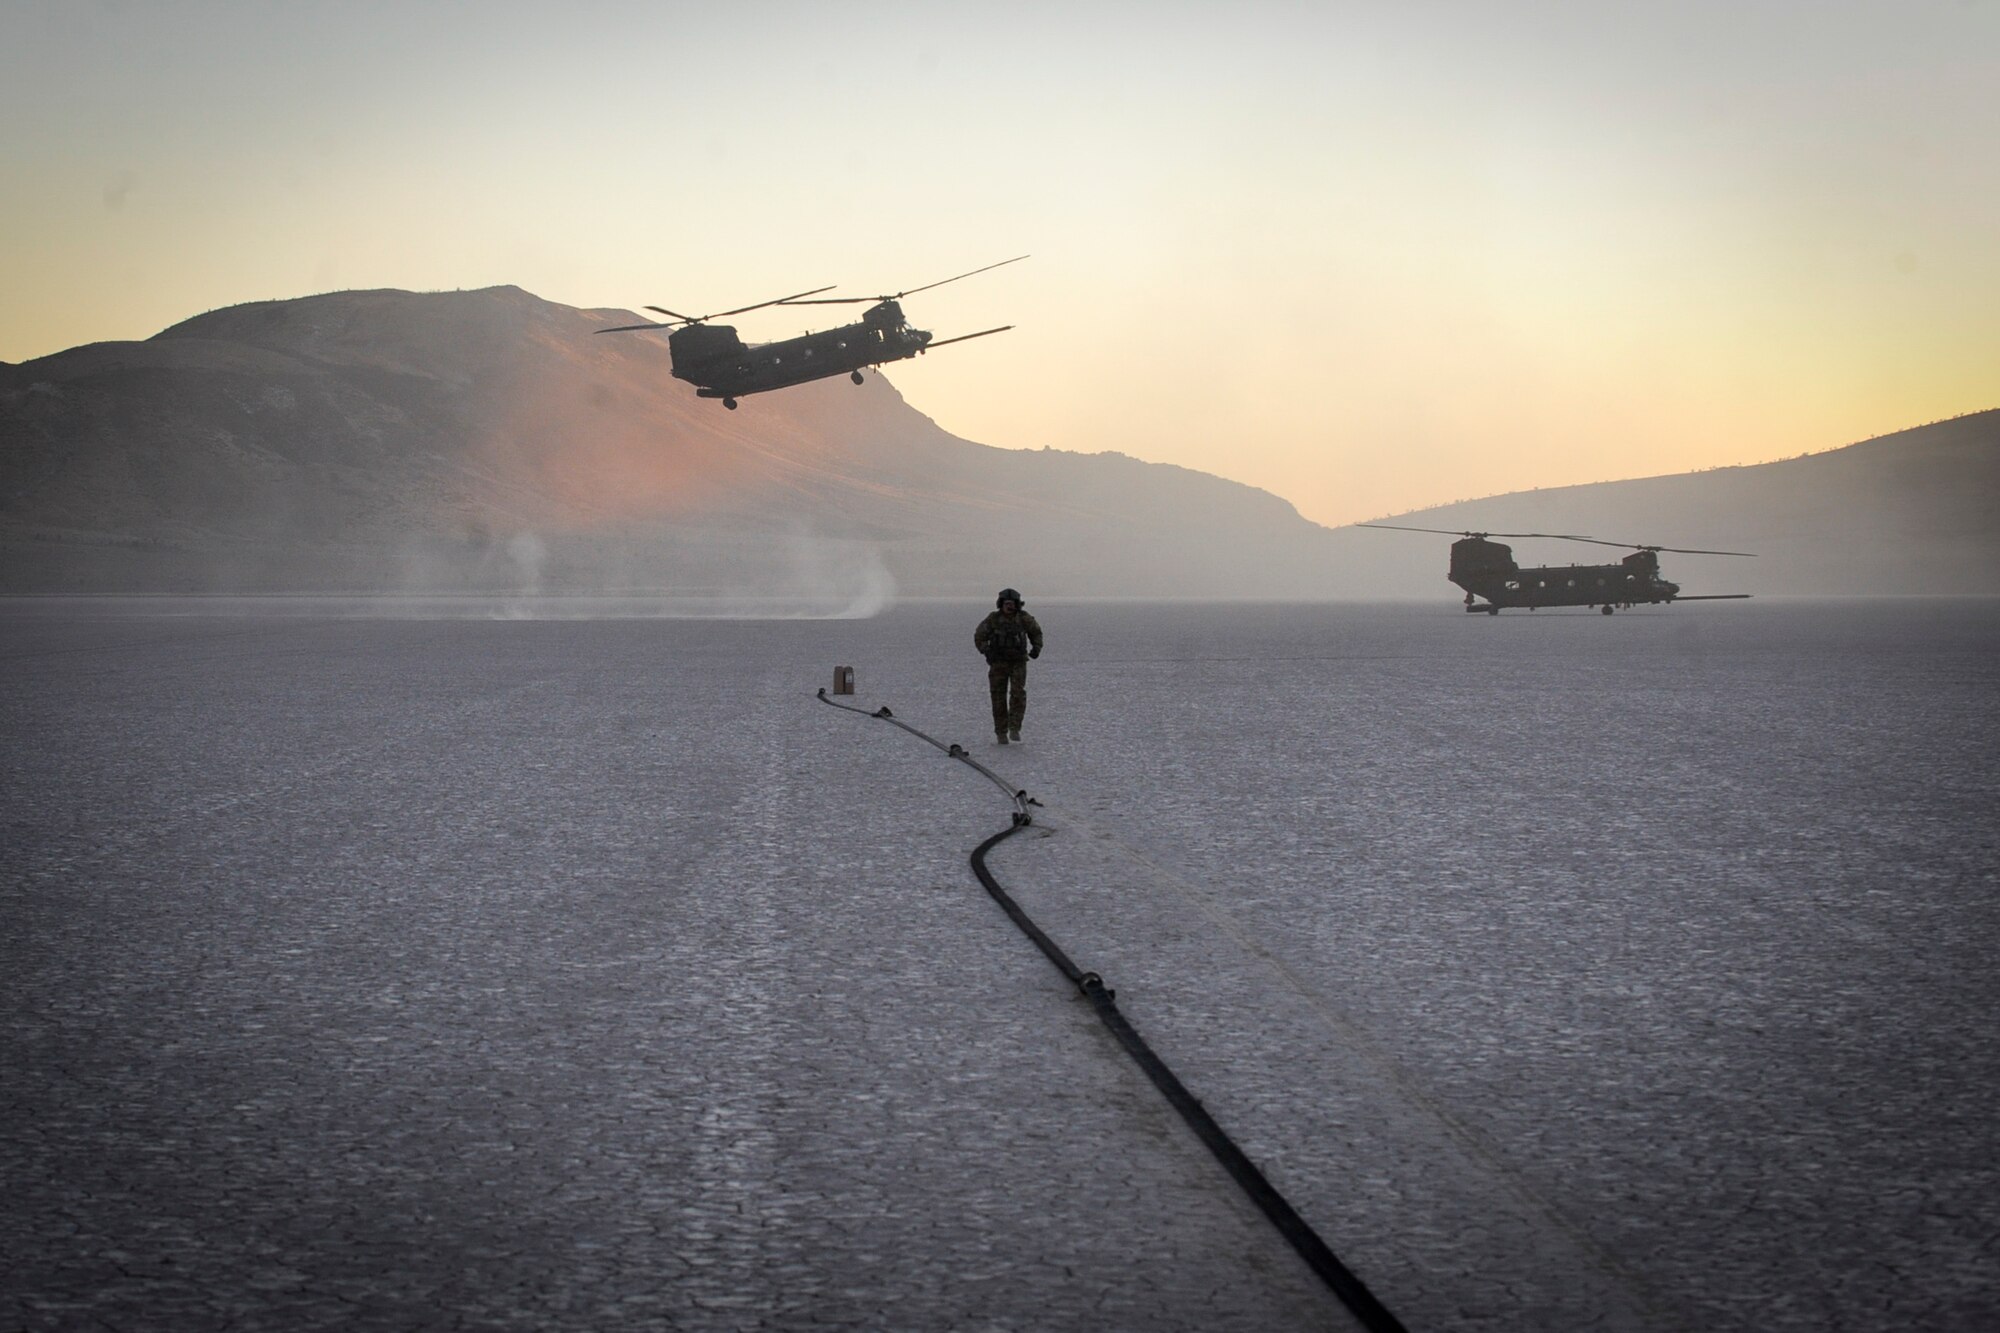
(886, 315)
(698, 347)
(1642, 569)
(1477, 558)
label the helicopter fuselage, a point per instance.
(720, 365)
(1487, 569)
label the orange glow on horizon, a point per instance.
(1367, 259)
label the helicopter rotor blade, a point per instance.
(1628, 546)
(897, 296)
(1467, 532)
(679, 318)
(963, 336)
(1560, 536)
(631, 328)
(1689, 550)
(1442, 532)
(1567, 537)
(942, 281)
(761, 304)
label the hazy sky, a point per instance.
(1367, 255)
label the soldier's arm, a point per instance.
(1034, 628)
(982, 634)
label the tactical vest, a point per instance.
(1008, 642)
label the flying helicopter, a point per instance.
(720, 365)
(1486, 569)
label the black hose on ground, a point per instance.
(1340, 1279)
(958, 752)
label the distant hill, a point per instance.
(387, 440)
(488, 441)
(1913, 512)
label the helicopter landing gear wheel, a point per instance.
(729, 403)
(1492, 610)
(1607, 608)
(855, 376)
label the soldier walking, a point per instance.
(1007, 638)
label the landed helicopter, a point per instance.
(1486, 569)
(720, 365)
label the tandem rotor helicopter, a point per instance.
(1487, 569)
(720, 365)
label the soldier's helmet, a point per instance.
(1007, 595)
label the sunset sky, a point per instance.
(1370, 256)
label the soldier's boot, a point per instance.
(1014, 734)
(1000, 736)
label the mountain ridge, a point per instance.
(1913, 511)
(488, 440)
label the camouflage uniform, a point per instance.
(1006, 641)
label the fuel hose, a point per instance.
(1341, 1280)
